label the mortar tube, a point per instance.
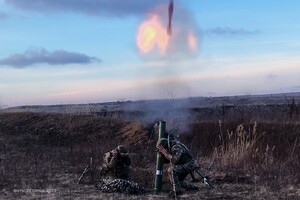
(159, 159)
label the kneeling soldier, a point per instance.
(182, 164)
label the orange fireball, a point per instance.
(152, 35)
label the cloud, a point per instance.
(40, 55)
(3, 16)
(115, 8)
(227, 31)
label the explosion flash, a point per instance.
(152, 35)
(161, 36)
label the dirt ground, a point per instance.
(68, 189)
(42, 156)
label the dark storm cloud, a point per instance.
(115, 8)
(38, 56)
(227, 31)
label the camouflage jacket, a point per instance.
(116, 166)
(179, 154)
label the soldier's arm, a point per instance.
(112, 163)
(110, 160)
(177, 151)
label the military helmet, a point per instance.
(122, 149)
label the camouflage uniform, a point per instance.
(116, 169)
(119, 186)
(182, 164)
(117, 166)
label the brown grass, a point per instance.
(238, 148)
(37, 150)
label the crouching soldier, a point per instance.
(182, 164)
(116, 163)
(116, 172)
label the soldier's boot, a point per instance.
(188, 186)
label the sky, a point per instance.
(92, 51)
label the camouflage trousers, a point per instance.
(177, 174)
(119, 186)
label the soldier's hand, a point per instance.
(114, 152)
(162, 150)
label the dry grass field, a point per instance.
(249, 151)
